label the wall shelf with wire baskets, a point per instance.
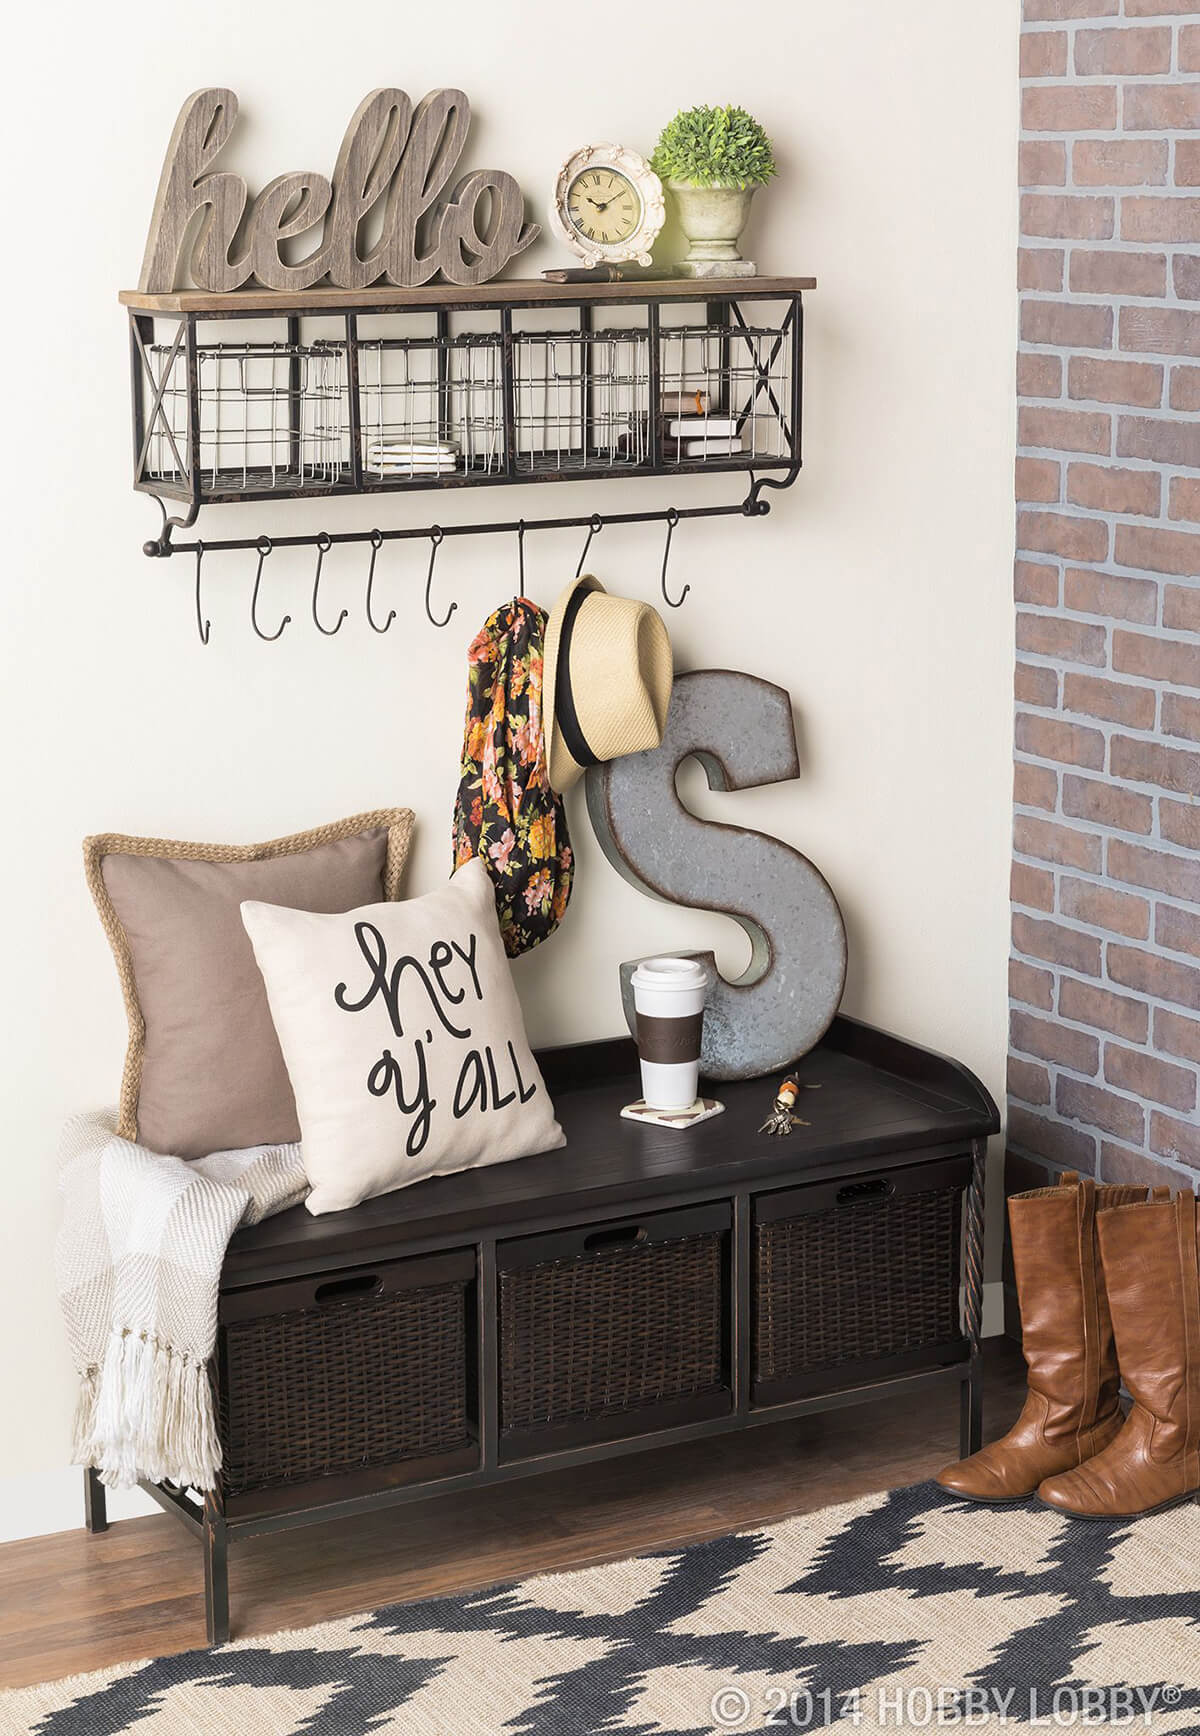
(256, 396)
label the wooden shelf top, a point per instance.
(525, 292)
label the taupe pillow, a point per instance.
(204, 1071)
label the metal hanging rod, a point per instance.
(753, 506)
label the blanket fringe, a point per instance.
(84, 1425)
(147, 1412)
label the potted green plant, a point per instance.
(711, 160)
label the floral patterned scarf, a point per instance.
(505, 810)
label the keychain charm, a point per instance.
(781, 1120)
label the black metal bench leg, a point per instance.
(95, 1503)
(971, 1417)
(216, 1575)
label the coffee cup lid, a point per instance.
(669, 974)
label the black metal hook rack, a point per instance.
(753, 506)
(252, 396)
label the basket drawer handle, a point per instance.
(856, 1192)
(347, 1289)
(622, 1236)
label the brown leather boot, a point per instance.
(1071, 1410)
(1151, 1260)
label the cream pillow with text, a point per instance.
(403, 1038)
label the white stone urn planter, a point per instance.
(712, 218)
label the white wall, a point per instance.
(877, 591)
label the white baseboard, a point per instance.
(40, 1502)
(993, 1309)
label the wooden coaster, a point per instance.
(703, 1109)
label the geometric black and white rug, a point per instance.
(901, 1611)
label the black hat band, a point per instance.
(565, 714)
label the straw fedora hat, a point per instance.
(607, 680)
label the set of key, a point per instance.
(781, 1120)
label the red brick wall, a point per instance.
(1105, 1038)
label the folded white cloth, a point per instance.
(409, 466)
(138, 1263)
(411, 457)
(412, 449)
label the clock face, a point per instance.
(604, 206)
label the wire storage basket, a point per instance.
(270, 416)
(582, 400)
(431, 407)
(725, 392)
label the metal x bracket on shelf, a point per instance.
(763, 371)
(157, 411)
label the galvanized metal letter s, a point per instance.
(741, 730)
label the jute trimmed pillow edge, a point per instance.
(397, 822)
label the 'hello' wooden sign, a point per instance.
(394, 163)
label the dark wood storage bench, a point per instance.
(642, 1285)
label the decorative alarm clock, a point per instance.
(608, 205)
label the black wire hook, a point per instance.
(521, 555)
(436, 537)
(376, 545)
(265, 547)
(203, 627)
(672, 521)
(324, 544)
(595, 523)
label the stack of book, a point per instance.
(689, 430)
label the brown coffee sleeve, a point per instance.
(667, 1041)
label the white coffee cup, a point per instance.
(668, 1001)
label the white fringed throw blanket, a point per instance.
(138, 1263)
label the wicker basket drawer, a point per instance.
(613, 1329)
(332, 1374)
(854, 1279)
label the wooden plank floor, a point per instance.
(73, 1602)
